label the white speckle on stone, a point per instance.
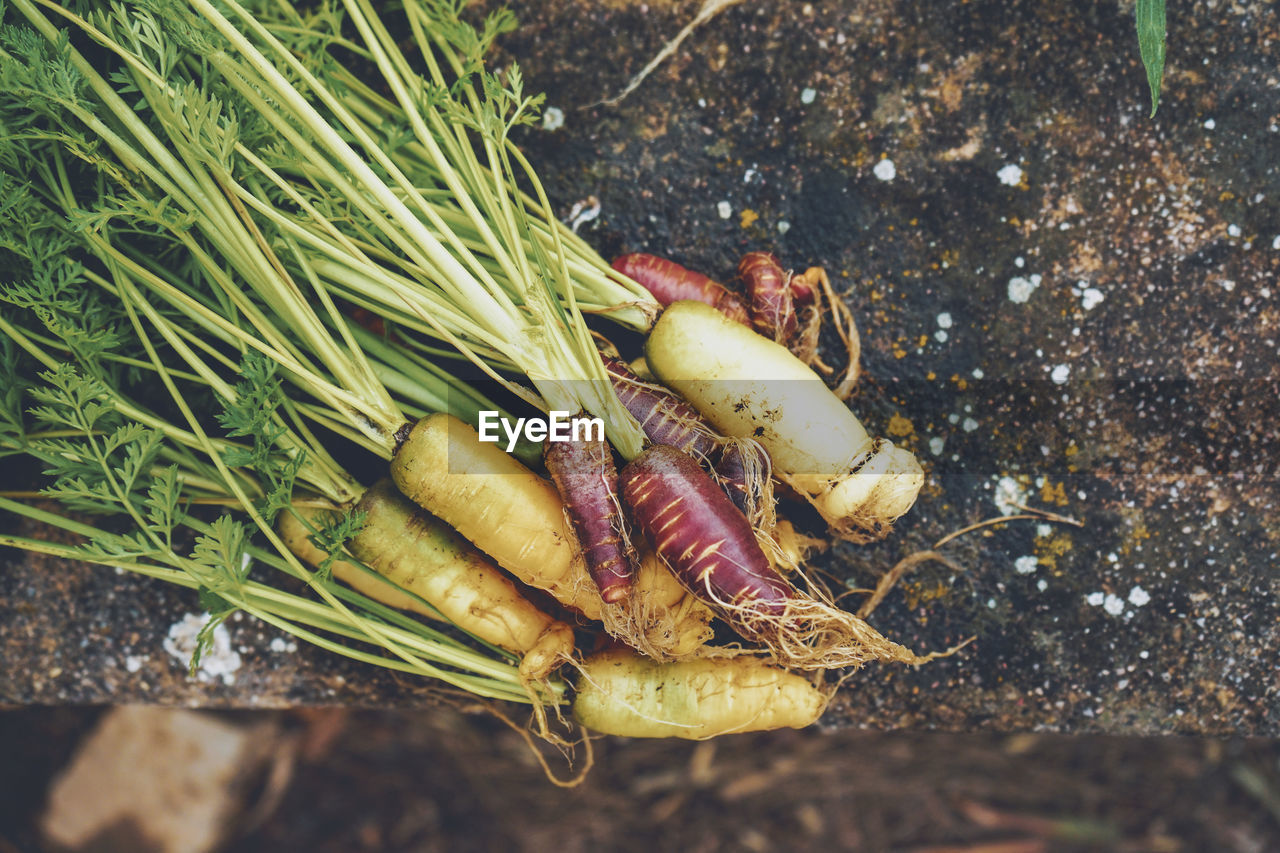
(1095, 599)
(1060, 374)
(1210, 124)
(969, 425)
(1010, 175)
(748, 175)
(219, 661)
(724, 209)
(1138, 596)
(944, 320)
(1043, 530)
(1042, 584)
(940, 336)
(1113, 604)
(977, 373)
(1019, 262)
(1026, 565)
(1090, 298)
(1021, 287)
(936, 444)
(552, 118)
(1228, 285)
(1010, 496)
(885, 170)
(783, 226)
(1233, 230)
(1275, 243)
(133, 663)
(807, 95)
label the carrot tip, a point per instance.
(615, 594)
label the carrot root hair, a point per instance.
(811, 634)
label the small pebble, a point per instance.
(885, 170)
(807, 96)
(724, 209)
(1010, 175)
(1021, 288)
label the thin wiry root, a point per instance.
(565, 747)
(895, 574)
(758, 493)
(810, 634)
(710, 8)
(805, 346)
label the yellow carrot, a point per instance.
(621, 693)
(419, 554)
(500, 506)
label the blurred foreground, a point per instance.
(141, 779)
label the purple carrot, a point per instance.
(708, 543)
(732, 471)
(587, 479)
(769, 296)
(669, 282)
(663, 415)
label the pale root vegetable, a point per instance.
(621, 693)
(419, 554)
(746, 385)
(518, 519)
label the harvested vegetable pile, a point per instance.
(259, 252)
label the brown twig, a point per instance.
(710, 8)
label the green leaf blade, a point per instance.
(1151, 44)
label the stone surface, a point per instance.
(1063, 302)
(150, 779)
